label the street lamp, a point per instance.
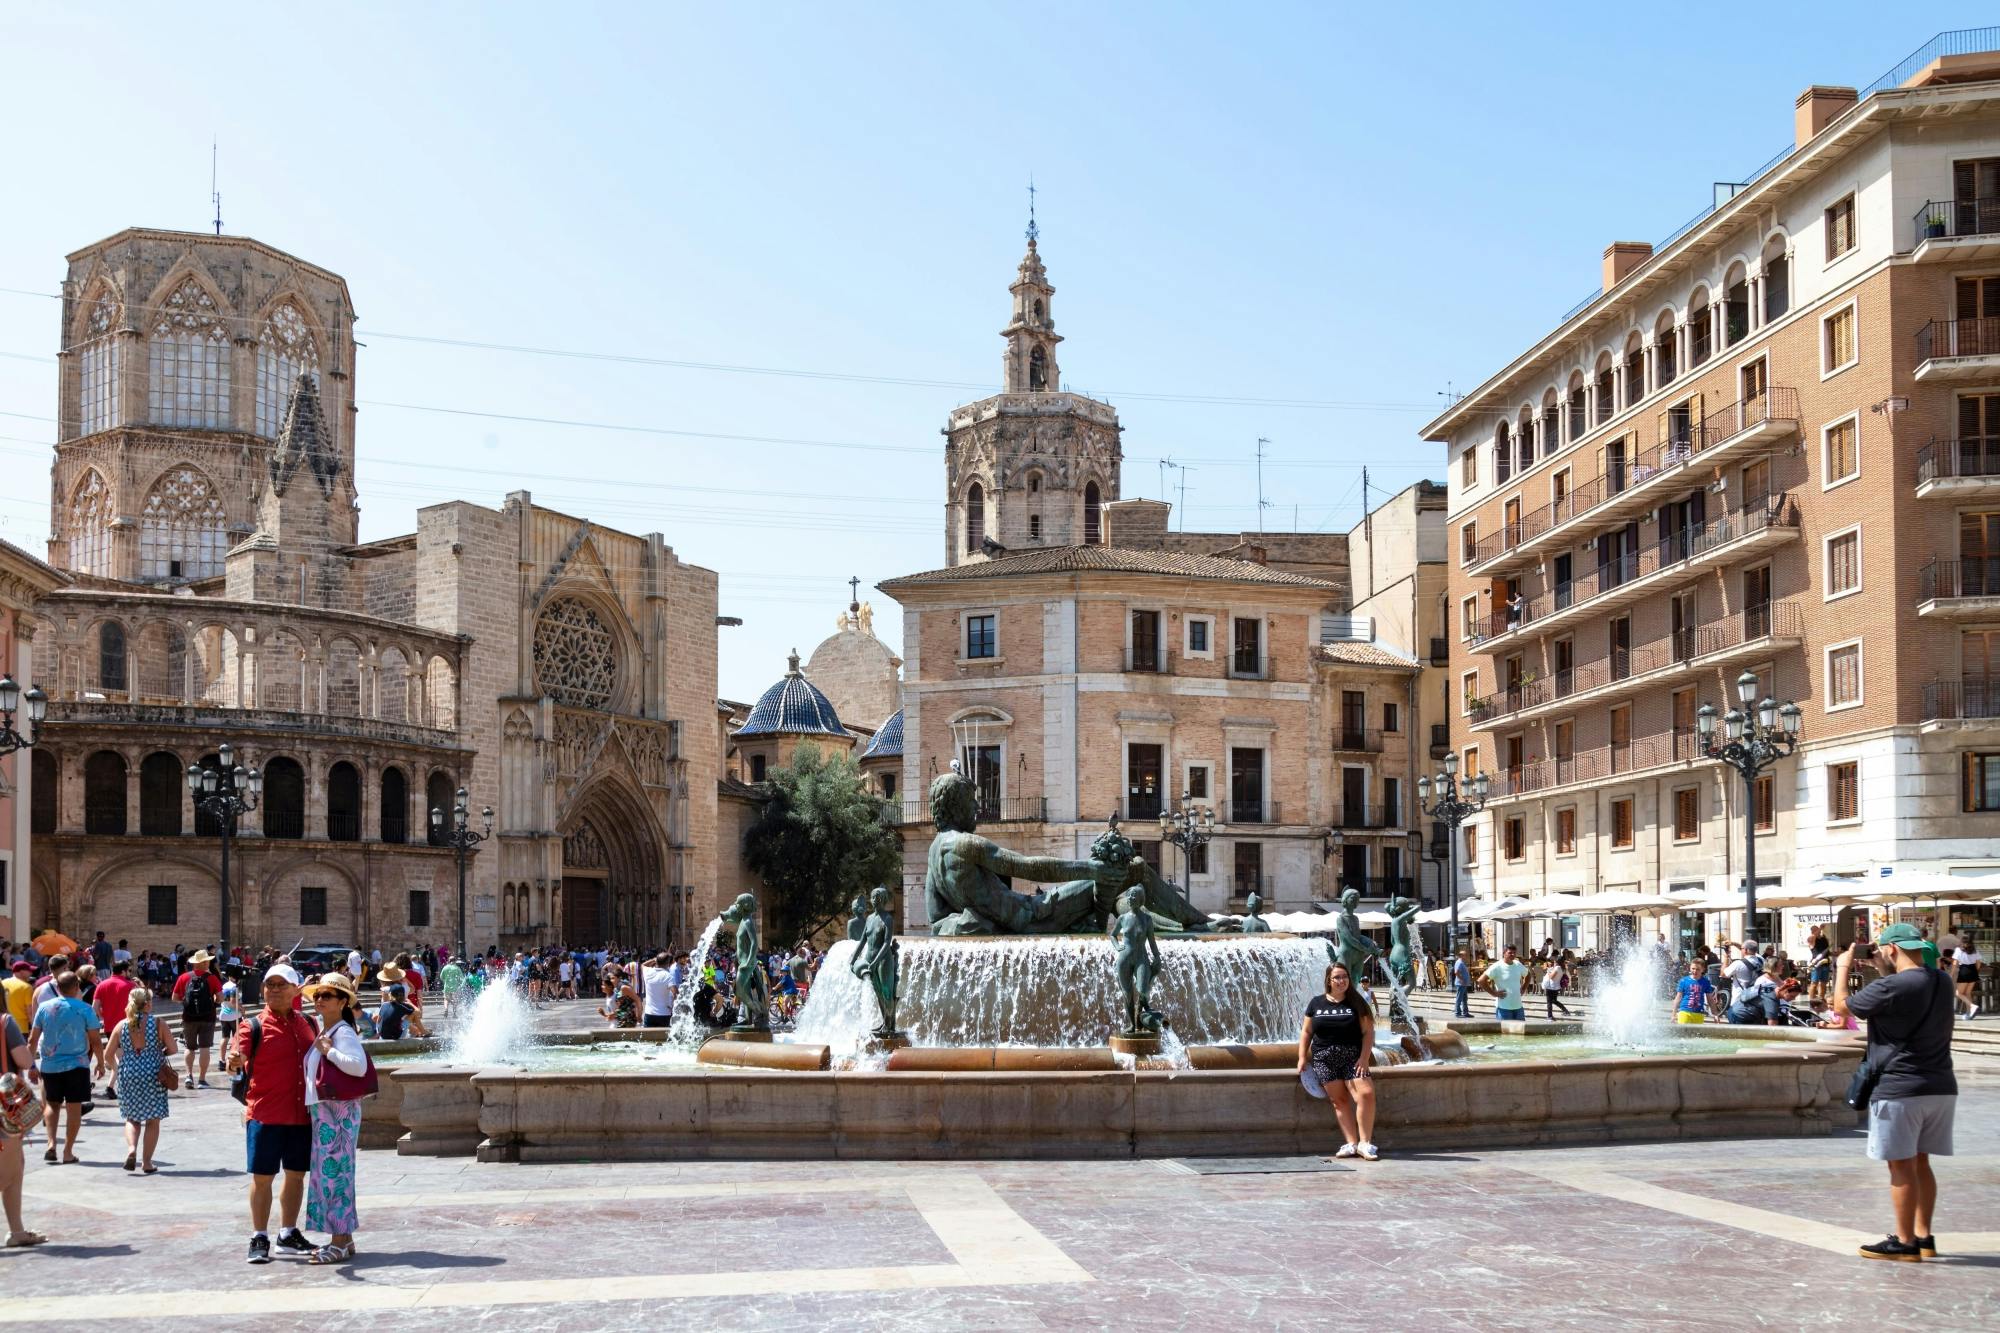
(1331, 844)
(10, 703)
(1187, 828)
(462, 839)
(1451, 810)
(1756, 737)
(224, 793)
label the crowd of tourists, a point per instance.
(645, 993)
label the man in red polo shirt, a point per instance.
(109, 1001)
(276, 1131)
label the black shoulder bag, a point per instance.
(1861, 1087)
(239, 1082)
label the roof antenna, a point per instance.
(213, 193)
(1034, 232)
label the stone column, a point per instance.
(132, 761)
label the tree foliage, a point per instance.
(820, 839)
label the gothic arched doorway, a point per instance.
(613, 873)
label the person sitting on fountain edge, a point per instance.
(1503, 979)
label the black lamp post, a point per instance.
(458, 836)
(1331, 844)
(1754, 741)
(224, 793)
(1187, 827)
(1439, 799)
(10, 703)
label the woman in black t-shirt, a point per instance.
(1336, 1040)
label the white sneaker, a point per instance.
(1368, 1153)
(1346, 1150)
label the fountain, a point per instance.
(1631, 1013)
(499, 1028)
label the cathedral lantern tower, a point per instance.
(1034, 465)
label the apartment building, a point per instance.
(1771, 443)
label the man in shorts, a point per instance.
(277, 1135)
(67, 1040)
(199, 990)
(1908, 1010)
(1503, 980)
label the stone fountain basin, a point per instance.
(1788, 1084)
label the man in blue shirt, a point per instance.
(1461, 986)
(68, 1041)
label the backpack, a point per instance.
(198, 1005)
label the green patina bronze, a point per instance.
(1138, 965)
(857, 917)
(876, 960)
(1351, 948)
(1253, 923)
(1402, 947)
(753, 991)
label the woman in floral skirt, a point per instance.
(336, 1125)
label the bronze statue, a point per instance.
(968, 884)
(753, 990)
(1402, 950)
(857, 917)
(1350, 946)
(1138, 965)
(877, 961)
(1254, 924)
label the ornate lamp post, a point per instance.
(1439, 799)
(1330, 844)
(224, 793)
(1753, 742)
(1187, 827)
(458, 836)
(10, 702)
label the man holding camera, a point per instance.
(1908, 1010)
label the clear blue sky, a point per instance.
(1339, 206)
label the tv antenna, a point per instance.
(215, 195)
(1450, 395)
(1262, 503)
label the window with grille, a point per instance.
(1843, 790)
(1765, 791)
(1838, 336)
(1982, 782)
(99, 361)
(1840, 228)
(1843, 458)
(89, 525)
(1566, 830)
(163, 905)
(182, 529)
(1843, 675)
(312, 905)
(1687, 814)
(975, 518)
(1843, 563)
(420, 907)
(284, 353)
(1621, 824)
(187, 380)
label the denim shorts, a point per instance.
(266, 1148)
(1902, 1127)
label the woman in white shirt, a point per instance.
(336, 1125)
(1966, 961)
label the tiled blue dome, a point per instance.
(888, 742)
(793, 707)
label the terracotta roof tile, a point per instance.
(1356, 653)
(1111, 560)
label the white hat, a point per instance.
(284, 972)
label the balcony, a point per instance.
(1733, 536)
(1242, 886)
(1369, 818)
(1954, 351)
(1357, 740)
(343, 826)
(1155, 663)
(1379, 886)
(1440, 652)
(1019, 810)
(1252, 811)
(1629, 483)
(1713, 644)
(284, 823)
(1971, 702)
(1440, 739)
(1955, 231)
(1644, 754)
(1960, 589)
(1959, 468)
(1250, 666)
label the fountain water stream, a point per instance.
(685, 1031)
(498, 1030)
(1630, 1011)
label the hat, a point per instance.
(390, 973)
(20, 963)
(1903, 935)
(338, 982)
(200, 956)
(283, 972)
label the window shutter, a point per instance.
(1664, 428)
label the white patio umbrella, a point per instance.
(1767, 900)
(1547, 904)
(1469, 909)
(1623, 903)
(1911, 886)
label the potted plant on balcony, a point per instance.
(1934, 225)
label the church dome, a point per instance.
(793, 707)
(888, 742)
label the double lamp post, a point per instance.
(224, 793)
(1440, 799)
(1755, 737)
(454, 831)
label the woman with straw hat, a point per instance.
(140, 1051)
(336, 1125)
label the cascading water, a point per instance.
(1631, 1010)
(686, 1031)
(1062, 990)
(499, 1029)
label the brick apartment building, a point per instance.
(1771, 443)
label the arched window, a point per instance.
(1635, 369)
(439, 794)
(89, 525)
(1665, 365)
(1579, 406)
(975, 517)
(1039, 315)
(285, 351)
(1503, 453)
(284, 799)
(207, 825)
(1038, 370)
(46, 779)
(182, 529)
(98, 361)
(395, 798)
(188, 369)
(111, 656)
(1735, 306)
(104, 792)
(343, 803)
(1701, 321)
(161, 783)
(1093, 513)
(1606, 394)
(1524, 440)
(1777, 280)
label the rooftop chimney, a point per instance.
(1817, 106)
(1621, 257)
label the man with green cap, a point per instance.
(1908, 1010)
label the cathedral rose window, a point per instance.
(576, 662)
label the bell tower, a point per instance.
(1034, 465)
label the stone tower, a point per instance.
(1034, 465)
(181, 356)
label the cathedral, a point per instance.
(203, 504)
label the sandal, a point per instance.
(21, 1240)
(131, 1161)
(72, 1160)
(49, 1156)
(331, 1254)
(149, 1170)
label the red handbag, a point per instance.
(334, 1084)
